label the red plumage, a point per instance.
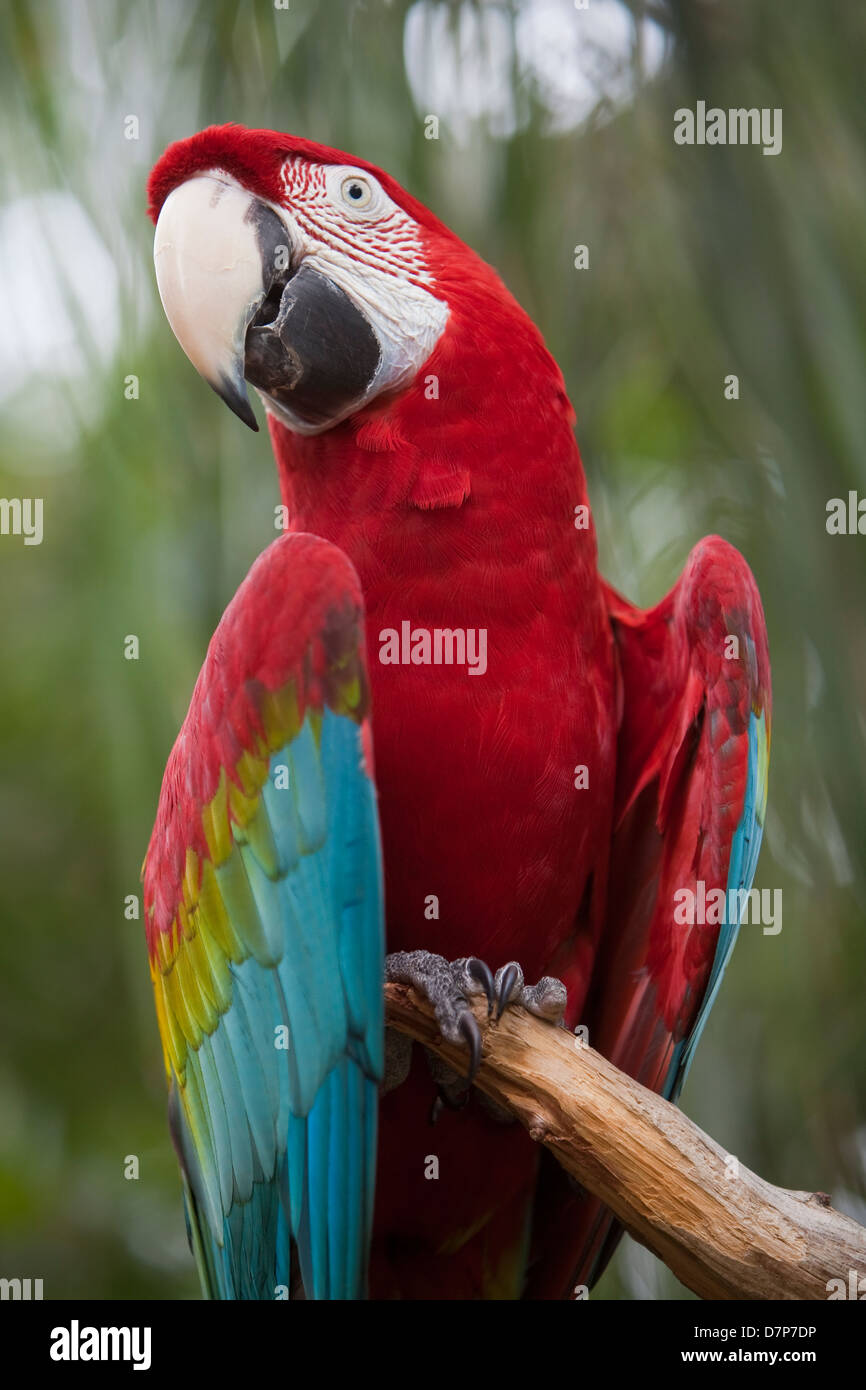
(458, 511)
(262, 638)
(456, 517)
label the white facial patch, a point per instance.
(343, 223)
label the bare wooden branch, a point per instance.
(671, 1185)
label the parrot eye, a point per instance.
(356, 192)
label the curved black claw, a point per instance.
(483, 975)
(546, 1000)
(443, 1101)
(510, 977)
(449, 985)
(468, 1025)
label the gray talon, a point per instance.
(452, 1102)
(509, 981)
(443, 1101)
(481, 973)
(450, 984)
(472, 1033)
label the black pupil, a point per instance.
(356, 191)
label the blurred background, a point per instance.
(555, 129)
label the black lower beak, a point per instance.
(310, 349)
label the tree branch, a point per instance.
(724, 1237)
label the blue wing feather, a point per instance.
(745, 848)
(280, 1143)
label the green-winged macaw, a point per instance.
(554, 768)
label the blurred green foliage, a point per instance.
(703, 262)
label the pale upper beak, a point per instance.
(212, 277)
(244, 302)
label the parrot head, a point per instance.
(302, 270)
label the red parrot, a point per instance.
(553, 766)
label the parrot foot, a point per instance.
(449, 985)
(546, 1000)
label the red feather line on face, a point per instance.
(392, 242)
(282, 651)
(255, 158)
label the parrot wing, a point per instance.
(264, 918)
(692, 760)
(693, 755)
